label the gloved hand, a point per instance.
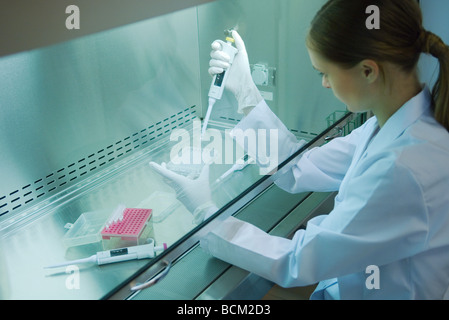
(239, 81)
(195, 194)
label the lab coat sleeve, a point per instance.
(320, 169)
(382, 220)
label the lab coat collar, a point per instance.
(408, 114)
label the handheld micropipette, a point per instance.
(117, 255)
(219, 80)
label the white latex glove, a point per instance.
(195, 194)
(239, 81)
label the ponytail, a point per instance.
(432, 44)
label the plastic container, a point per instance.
(85, 230)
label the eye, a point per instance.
(323, 74)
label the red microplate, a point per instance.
(131, 227)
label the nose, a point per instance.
(325, 83)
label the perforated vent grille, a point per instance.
(74, 172)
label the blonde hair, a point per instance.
(339, 33)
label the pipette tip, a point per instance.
(91, 259)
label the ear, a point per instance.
(370, 70)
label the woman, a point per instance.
(391, 214)
(391, 210)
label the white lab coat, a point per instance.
(391, 211)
